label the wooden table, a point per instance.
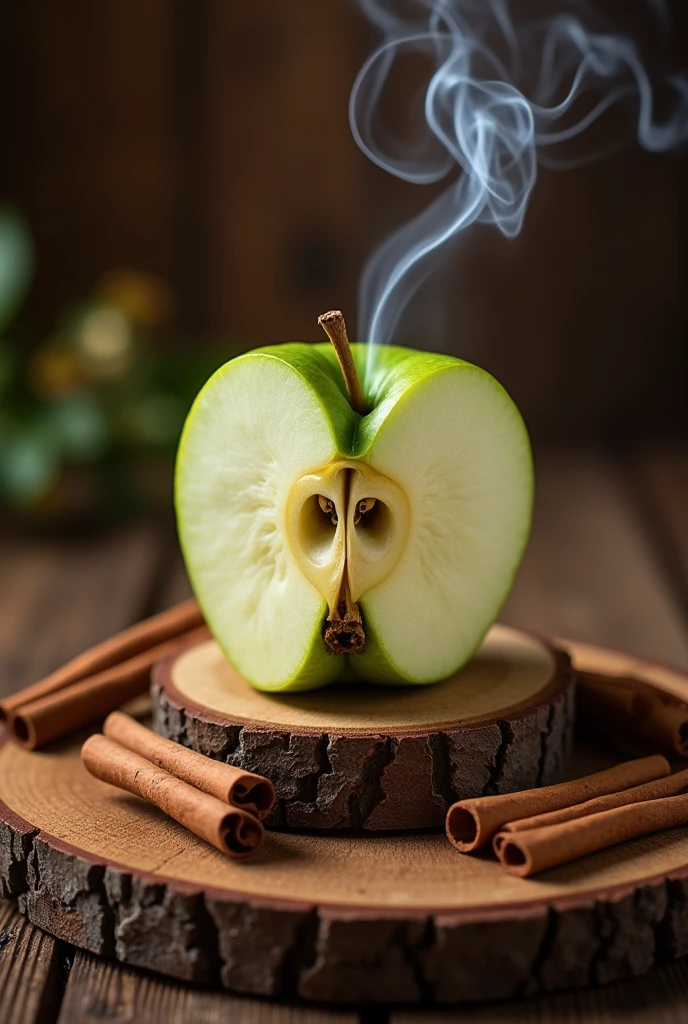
(608, 563)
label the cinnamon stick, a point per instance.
(252, 793)
(670, 785)
(473, 823)
(637, 716)
(124, 645)
(232, 830)
(526, 853)
(61, 712)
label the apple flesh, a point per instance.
(311, 532)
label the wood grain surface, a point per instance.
(30, 969)
(572, 592)
(592, 571)
(658, 998)
(98, 990)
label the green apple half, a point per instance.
(309, 529)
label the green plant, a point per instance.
(90, 413)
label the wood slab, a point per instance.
(328, 917)
(378, 757)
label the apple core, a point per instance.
(347, 525)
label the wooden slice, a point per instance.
(329, 917)
(379, 757)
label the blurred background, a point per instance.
(179, 183)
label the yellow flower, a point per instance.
(144, 298)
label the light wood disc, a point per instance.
(380, 757)
(510, 670)
(335, 917)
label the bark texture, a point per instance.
(396, 781)
(340, 955)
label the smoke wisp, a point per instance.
(499, 99)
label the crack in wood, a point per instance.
(533, 982)
(413, 954)
(372, 791)
(501, 757)
(442, 769)
(544, 744)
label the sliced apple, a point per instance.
(311, 531)
(459, 444)
(256, 429)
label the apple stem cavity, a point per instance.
(334, 327)
(344, 633)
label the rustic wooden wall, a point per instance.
(209, 143)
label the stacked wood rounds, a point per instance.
(380, 758)
(345, 916)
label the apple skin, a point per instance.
(388, 380)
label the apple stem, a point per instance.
(334, 327)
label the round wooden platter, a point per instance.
(378, 757)
(329, 917)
